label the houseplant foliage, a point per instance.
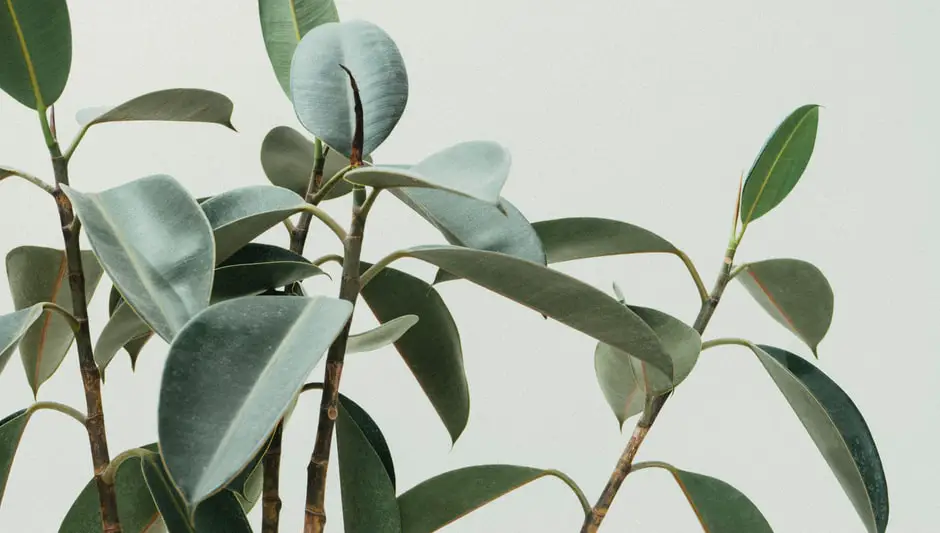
(244, 338)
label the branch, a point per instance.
(6, 172)
(62, 408)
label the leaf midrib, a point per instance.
(33, 80)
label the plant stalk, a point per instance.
(315, 512)
(655, 404)
(271, 463)
(91, 378)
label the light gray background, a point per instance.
(640, 111)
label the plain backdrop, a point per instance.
(646, 112)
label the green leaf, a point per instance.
(626, 381)
(719, 507)
(136, 509)
(553, 294)
(368, 492)
(256, 268)
(11, 431)
(284, 23)
(241, 484)
(220, 513)
(431, 348)
(173, 105)
(836, 427)
(240, 215)
(443, 499)
(36, 50)
(795, 293)
(381, 336)
(231, 374)
(370, 430)
(36, 275)
(780, 164)
(567, 239)
(156, 246)
(323, 96)
(12, 328)
(287, 160)
(475, 169)
(124, 327)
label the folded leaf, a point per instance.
(284, 23)
(36, 47)
(12, 328)
(381, 336)
(231, 374)
(256, 268)
(287, 160)
(173, 105)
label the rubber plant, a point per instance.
(244, 336)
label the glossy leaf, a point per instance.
(381, 336)
(795, 293)
(434, 503)
(11, 431)
(475, 169)
(136, 509)
(284, 23)
(36, 50)
(172, 105)
(431, 348)
(780, 164)
(37, 274)
(231, 374)
(221, 513)
(323, 96)
(837, 428)
(567, 239)
(553, 294)
(287, 160)
(156, 246)
(12, 328)
(626, 381)
(256, 268)
(719, 507)
(368, 492)
(240, 215)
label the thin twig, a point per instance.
(326, 219)
(62, 408)
(38, 182)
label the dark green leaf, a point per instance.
(370, 430)
(172, 105)
(838, 429)
(36, 50)
(284, 23)
(134, 346)
(795, 293)
(431, 348)
(240, 215)
(567, 239)
(368, 492)
(381, 336)
(12, 328)
(156, 246)
(626, 381)
(323, 96)
(287, 160)
(434, 503)
(780, 164)
(231, 374)
(720, 508)
(124, 327)
(556, 295)
(256, 268)
(36, 275)
(11, 431)
(475, 169)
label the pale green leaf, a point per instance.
(381, 336)
(35, 50)
(284, 23)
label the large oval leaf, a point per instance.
(37, 274)
(323, 96)
(12, 328)
(431, 348)
(795, 293)
(567, 239)
(240, 215)
(173, 105)
(284, 23)
(475, 169)
(719, 507)
(381, 336)
(556, 295)
(836, 427)
(258, 267)
(230, 375)
(626, 381)
(36, 47)
(287, 160)
(366, 474)
(434, 503)
(780, 164)
(156, 246)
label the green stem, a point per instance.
(582, 499)
(367, 206)
(320, 261)
(651, 464)
(76, 141)
(699, 284)
(326, 219)
(62, 408)
(6, 172)
(73, 322)
(725, 341)
(377, 267)
(112, 469)
(328, 186)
